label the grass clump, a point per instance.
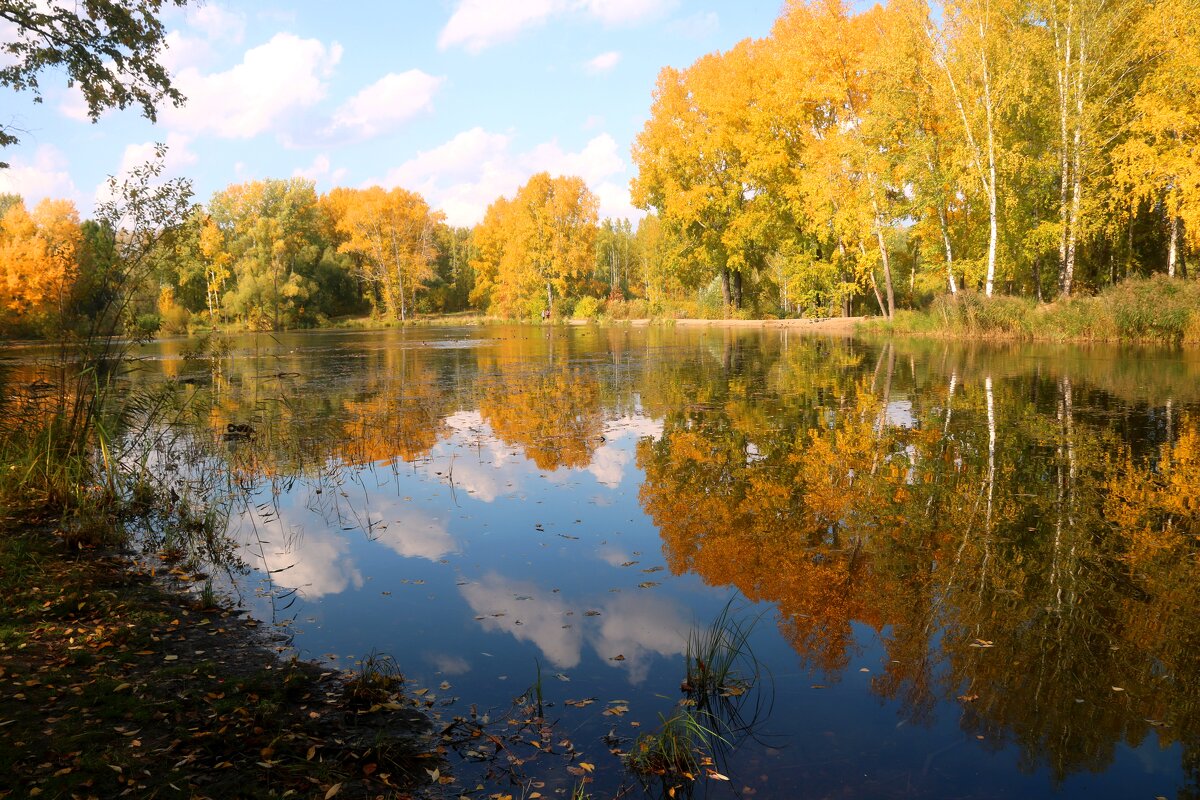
(1154, 310)
(722, 705)
(681, 745)
(375, 682)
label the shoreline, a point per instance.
(119, 680)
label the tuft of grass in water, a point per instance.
(721, 672)
(376, 680)
(208, 596)
(714, 653)
(682, 743)
(533, 695)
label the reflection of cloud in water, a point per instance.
(540, 619)
(447, 664)
(608, 465)
(484, 478)
(609, 461)
(478, 472)
(315, 561)
(414, 534)
(899, 414)
(613, 556)
(639, 628)
(636, 426)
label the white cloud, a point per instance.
(639, 628)
(700, 25)
(8, 33)
(611, 459)
(484, 478)
(624, 12)
(597, 160)
(479, 24)
(386, 104)
(73, 105)
(604, 62)
(178, 157)
(447, 664)
(320, 171)
(209, 28)
(608, 465)
(316, 564)
(47, 174)
(274, 80)
(415, 535)
(464, 175)
(615, 202)
(217, 23)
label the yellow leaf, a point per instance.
(337, 787)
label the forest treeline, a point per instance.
(846, 163)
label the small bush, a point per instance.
(637, 308)
(1155, 310)
(588, 308)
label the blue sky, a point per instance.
(461, 100)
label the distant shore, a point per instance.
(833, 325)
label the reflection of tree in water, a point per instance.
(552, 412)
(1017, 549)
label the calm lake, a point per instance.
(967, 571)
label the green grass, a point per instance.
(678, 749)
(376, 680)
(1155, 310)
(722, 674)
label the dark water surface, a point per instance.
(974, 569)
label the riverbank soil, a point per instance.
(113, 686)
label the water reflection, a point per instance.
(1001, 543)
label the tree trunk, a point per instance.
(887, 270)
(737, 290)
(1076, 177)
(862, 249)
(993, 231)
(948, 248)
(725, 286)
(1173, 247)
(1063, 45)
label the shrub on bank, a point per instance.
(1156, 309)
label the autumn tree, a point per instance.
(535, 247)
(693, 160)
(1157, 160)
(270, 232)
(393, 232)
(38, 255)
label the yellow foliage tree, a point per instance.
(37, 258)
(542, 240)
(393, 232)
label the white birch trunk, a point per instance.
(1077, 172)
(1173, 247)
(949, 250)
